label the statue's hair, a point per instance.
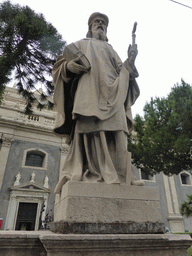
(90, 22)
(89, 34)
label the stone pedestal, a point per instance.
(108, 209)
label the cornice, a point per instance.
(26, 127)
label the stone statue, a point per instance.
(46, 180)
(32, 177)
(94, 107)
(17, 180)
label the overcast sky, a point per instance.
(163, 36)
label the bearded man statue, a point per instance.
(94, 107)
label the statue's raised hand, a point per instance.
(74, 67)
(132, 54)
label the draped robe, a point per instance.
(95, 110)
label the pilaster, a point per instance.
(4, 153)
(174, 217)
(11, 213)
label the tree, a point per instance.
(186, 207)
(28, 46)
(162, 141)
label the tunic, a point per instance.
(101, 108)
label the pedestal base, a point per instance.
(100, 208)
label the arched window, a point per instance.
(185, 178)
(35, 158)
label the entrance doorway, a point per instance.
(26, 216)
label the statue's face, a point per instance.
(99, 28)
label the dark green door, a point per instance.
(26, 216)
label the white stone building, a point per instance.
(30, 158)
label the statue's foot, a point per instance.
(138, 183)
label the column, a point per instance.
(11, 213)
(4, 153)
(168, 196)
(174, 217)
(45, 208)
(176, 222)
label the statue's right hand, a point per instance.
(74, 67)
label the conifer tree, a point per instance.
(162, 140)
(28, 46)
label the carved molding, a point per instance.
(7, 140)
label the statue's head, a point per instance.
(98, 23)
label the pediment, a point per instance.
(31, 186)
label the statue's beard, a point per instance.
(100, 35)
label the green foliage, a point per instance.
(186, 207)
(189, 251)
(29, 46)
(162, 141)
(2, 88)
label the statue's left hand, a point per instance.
(74, 67)
(132, 54)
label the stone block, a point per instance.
(45, 243)
(21, 243)
(99, 202)
(116, 245)
(81, 202)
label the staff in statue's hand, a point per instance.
(132, 50)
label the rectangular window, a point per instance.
(144, 175)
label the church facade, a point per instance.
(30, 158)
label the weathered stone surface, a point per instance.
(116, 245)
(32, 243)
(100, 190)
(101, 203)
(21, 243)
(108, 228)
